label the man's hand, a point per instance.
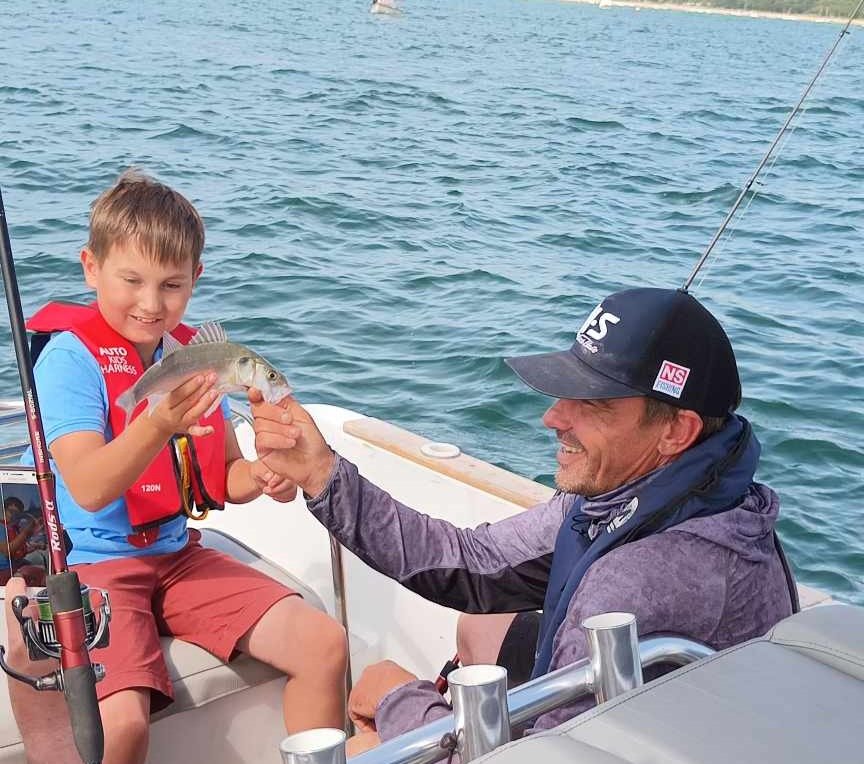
(289, 443)
(375, 682)
(180, 410)
(275, 486)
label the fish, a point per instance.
(237, 368)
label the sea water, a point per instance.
(395, 204)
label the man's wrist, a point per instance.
(321, 475)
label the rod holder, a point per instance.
(481, 719)
(323, 745)
(613, 649)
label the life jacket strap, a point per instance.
(184, 458)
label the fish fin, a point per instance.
(213, 407)
(211, 331)
(153, 401)
(126, 401)
(170, 344)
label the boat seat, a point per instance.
(198, 677)
(794, 696)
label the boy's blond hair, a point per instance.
(159, 220)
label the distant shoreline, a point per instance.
(696, 8)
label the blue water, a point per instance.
(395, 204)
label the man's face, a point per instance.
(603, 444)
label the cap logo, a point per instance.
(595, 328)
(671, 379)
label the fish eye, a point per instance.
(271, 375)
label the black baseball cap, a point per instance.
(662, 343)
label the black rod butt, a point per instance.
(79, 686)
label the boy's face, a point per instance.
(138, 297)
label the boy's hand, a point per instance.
(289, 443)
(278, 488)
(181, 409)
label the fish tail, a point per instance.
(126, 401)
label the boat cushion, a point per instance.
(824, 634)
(551, 749)
(793, 696)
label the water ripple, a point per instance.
(395, 205)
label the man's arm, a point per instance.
(496, 567)
(671, 582)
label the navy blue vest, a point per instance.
(705, 480)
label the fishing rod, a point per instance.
(752, 179)
(66, 627)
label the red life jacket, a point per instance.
(157, 495)
(11, 534)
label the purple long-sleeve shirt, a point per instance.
(718, 579)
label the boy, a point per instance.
(16, 532)
(129, 537)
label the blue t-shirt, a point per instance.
(5, 562)
(73, 397)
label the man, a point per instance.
(657, 513)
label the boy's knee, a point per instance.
(334, 644)
(319, 647)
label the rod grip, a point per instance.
(79, 687)
(79, 680)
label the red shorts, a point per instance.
(197, 594)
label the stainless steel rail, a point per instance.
(423, 745)
(613, 647)
(481, 721)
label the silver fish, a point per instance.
(209, 351)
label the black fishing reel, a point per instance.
(40, 636)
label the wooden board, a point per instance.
(474, 472)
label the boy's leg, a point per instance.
(136, 675)
(126, 722)
(222, 605)
(311, 649)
